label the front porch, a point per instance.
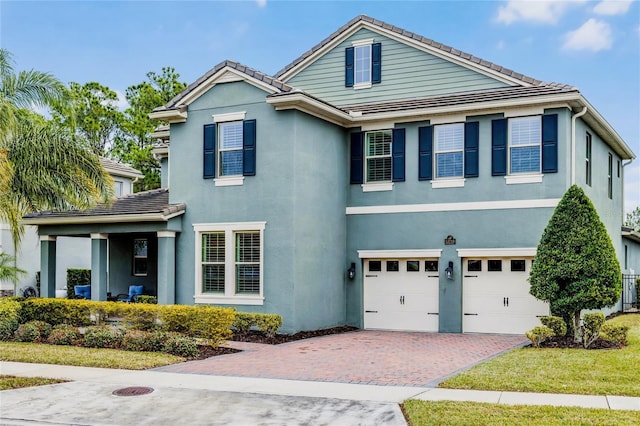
(133, 242)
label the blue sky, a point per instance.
(594, 45)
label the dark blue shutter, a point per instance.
(425, 149)
(550, 143)
(348, 66)
(376, 63)
(499, 147)
(249, 148)
(471, 145)
(397, 154)
(209, 150)
(357, 158)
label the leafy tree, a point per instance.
(576, 266)
(92, 113)
(633, 219)
(135, 147)
(42, 166)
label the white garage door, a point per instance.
(401, 294)
(496, 296)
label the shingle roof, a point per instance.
(457, 99)
(154, 201)
(274, 82)
(417, 37)
(114, 168)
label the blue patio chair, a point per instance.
(134, 292)
(82, 291)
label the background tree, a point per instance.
(135, 146)
(576, 266)
(42, 165)
(633, 219)
(92, 112)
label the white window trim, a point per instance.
(400, 254)
(229, 297)
(359, 86)
(357, 44)
(362, 42)
(377, 186)
(509, 147)
(234, 180)
(523, 178)
(498, 252)
(230, 116)
(448, 183)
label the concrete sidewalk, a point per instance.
(210, 399)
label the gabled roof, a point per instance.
(118, 169)
(376, 25)
(147, 206)
(218, 72)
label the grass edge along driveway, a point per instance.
(573, 371)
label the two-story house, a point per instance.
(381, 179)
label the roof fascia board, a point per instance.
(169, 115)
(311, 106)
(632, 235)
(222, 76)
(410, 41)
(123, 173)
(116, 218)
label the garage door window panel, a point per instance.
(494, 265)
(375, 266)
(518, 265)
(474, 265)
(393, 266)
(413, 265)
(431, 266)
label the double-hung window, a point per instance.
(229, 263)
(449, 149)
(378, 156)
(230, 151)
(140, 251)
(363, 64)
(610, 177)
(525, 137)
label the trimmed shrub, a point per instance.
(56, 311)
(615, 333)
(76, 276)
(64, 335)
(207, 322)
(244, 321)
(33, 331)
(269, 324)
(143, 341)
(556, 324)
(140, 316)
(103, 337)
(9, 317)
(143, 298)
(591, 325)
(181, 346)
(539, 334)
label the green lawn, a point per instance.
(580, 371)
(85, 357)
(474, 413)
(13, 382)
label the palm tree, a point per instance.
(42, 165)
(8, 270)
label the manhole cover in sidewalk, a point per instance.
(133, 391)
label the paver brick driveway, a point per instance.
(370, 357)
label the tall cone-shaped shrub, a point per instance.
(576, 266)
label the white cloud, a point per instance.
(612, 7)
(261, 3)
(539, 11)
(593, 35)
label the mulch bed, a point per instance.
(567, 342)
(257, 337)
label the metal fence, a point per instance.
(630, 293)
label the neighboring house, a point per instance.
(382, 180)
(72, 252)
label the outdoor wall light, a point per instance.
(351, 272)
(449, 271)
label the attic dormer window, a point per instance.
(363, 64)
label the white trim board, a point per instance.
(497, 252)
(445, 207)
(399, 254)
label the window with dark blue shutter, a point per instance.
(425, 150)
(471, 145)
(397, 150)
(348, 66)
(357, 158)
(376, 63)
(249, 148)
(499, 147)
(209, 150)
(550, 143)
